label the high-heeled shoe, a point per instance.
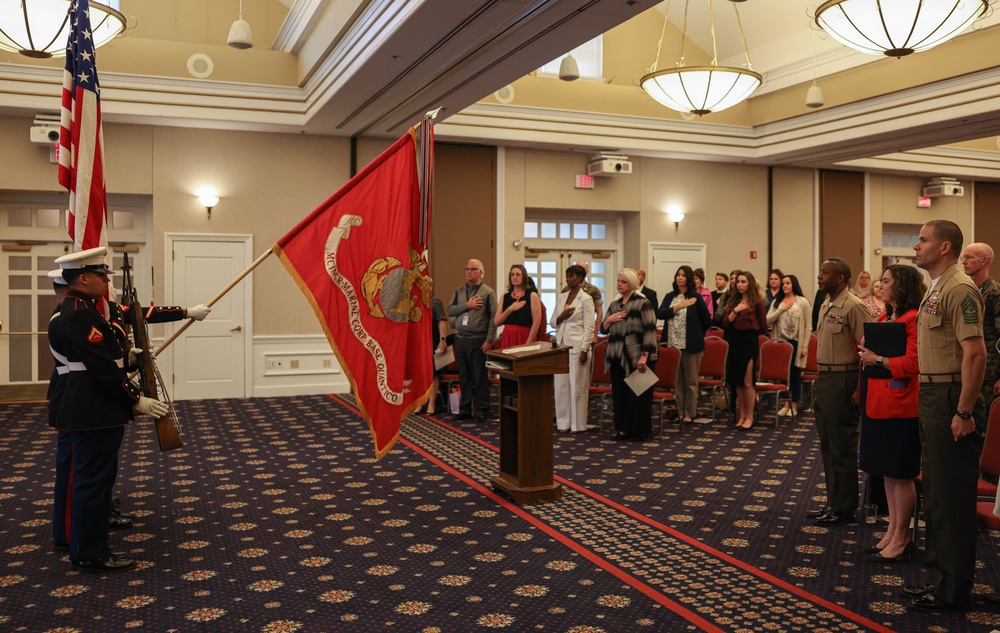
(905, 555)
(875, 549)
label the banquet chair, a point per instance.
(774, 374)
(667, 362)
(600, 380)
(712, 371)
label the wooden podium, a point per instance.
(527, 407)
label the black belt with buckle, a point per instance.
(941, 378)
(834, 369)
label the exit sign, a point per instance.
(584, 182)
(923, 202)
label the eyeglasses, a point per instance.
(470, 269)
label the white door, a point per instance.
(209, 359)
(665, 259)
(548, 269)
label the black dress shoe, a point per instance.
(483, 417)
(59, 547)
(620, 437)
(115, 562)
(871, 550)
(832, 518)
(932, 604)
(119, 521)
(464, 416)
(641, 438)
(915, 591)
(818, 512)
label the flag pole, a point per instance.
(222, 293)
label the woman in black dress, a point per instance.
(744, 320)
(890, 434)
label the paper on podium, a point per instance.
(445, 358)
(640, 382)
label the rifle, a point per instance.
(166, 427)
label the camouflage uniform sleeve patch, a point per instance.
(970, 310)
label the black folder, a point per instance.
(886, 339)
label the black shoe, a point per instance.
(833, 518)
(877, 557)
(818, 512)
(916, 591)
(119, 521)
(930, 603)
(464, 416)
(871, 550)
(641, 438)
(620, 437)
(483, 417)
(114, 562)
(59, 547)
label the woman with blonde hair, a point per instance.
(744, 320)
(630, 324)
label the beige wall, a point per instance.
(268, 182)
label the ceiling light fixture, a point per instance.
(240, 35)
(569, 70)
(40, 28)
(700, 89)
(896, 29)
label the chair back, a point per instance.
(716, 331)
(812, 357)
(775, 362)
(761, 339)
(599, 376)
(990, 460)
(713, 361)
(667, 362)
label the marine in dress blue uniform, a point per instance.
(96, 404)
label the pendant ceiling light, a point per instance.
(700, 89)
(240, 35)
(40, 28)
(897, 28)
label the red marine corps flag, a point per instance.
(359, 260)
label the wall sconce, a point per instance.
(209, 197)
(675, 214)
(517, 244)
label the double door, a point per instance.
(548, 269)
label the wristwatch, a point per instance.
(965, 415)
(878, 361)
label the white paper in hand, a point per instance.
(445, 358)
(640, 382)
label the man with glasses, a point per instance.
(976, 262)
(471, 309)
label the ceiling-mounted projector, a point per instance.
(609, 165)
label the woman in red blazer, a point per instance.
(890, 436)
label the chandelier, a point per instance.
(700, 89)
(40, 28)
(895, 29)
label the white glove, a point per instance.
(198, 312)
(133, 355)
(151, 406)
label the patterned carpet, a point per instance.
(276, 517)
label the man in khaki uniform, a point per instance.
(841, 324)
(952, 415)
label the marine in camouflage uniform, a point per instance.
(976, 261)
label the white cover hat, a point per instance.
(56, 277)
(91, 259)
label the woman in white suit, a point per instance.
(573, 319)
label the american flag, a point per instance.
(81, 139)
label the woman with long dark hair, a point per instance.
(890, 434)
(773, 286)
(789, 318)
(686, 319)
(744, 321)
(521, 312)
(630, 324)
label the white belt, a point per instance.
(62, 369)
(75, 366)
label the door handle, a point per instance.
(238, 328)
